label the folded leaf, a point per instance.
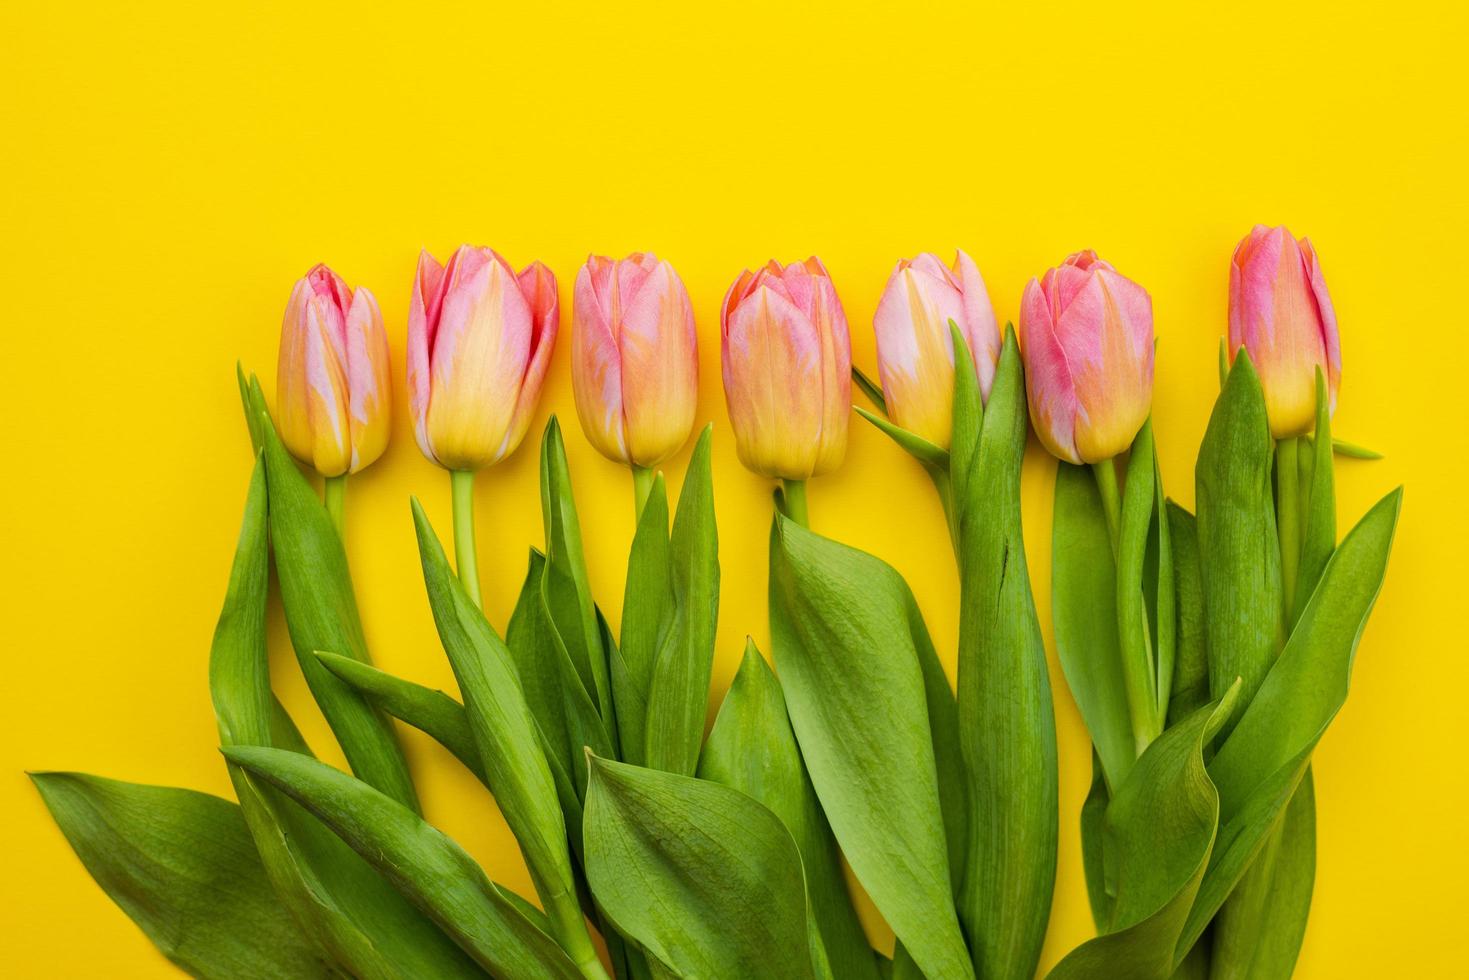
(432, 712)
(321, 614)
(751, 748)
(530, 638)
(509, 742)
(870, 388)
(704, 878)
(1159, 831)
(183, 866)
(1190, 684)
(647, 608)
(678, 695)
(911, 442)
(340, 902)
(1259, 766)
(430, 869)
(1006, 722)
(858, 705)
(565, 587)
(1239, 556)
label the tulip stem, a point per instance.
(1106, 473)
(334, 495)
(945, 486)
(795, 501)
(642, 486)
(462, 484)
(1288, 514)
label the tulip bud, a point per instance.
(1280, 311)
(634, 358)
(1086, 334)
(479, 340)
(333, 394)
(915, 350)
(787, 370)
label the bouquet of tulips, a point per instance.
(1207, 652)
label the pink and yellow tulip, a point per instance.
(787, 361)
(479, 340)
(634, 358)
(915, 350)
(1086, 334)
(1280, 311)
(333, 394)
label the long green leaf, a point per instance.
(1084, 617)
(530, 638)
(858, 705)
(566, 590)
(751, 748)
(1320, 517)
(430, 869)
(505, 733)
(1007, 725)
(703, 877)
(1093, 859)
(183, 866)
(948, 749)
(1239, 557)
(647, 607)
(321, 614)
(1160, 829)
(340, 902)
(910, 442)
(678, 695)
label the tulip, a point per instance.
(479, 340)
(915, 350)
(1086, 333)
(787, 371)
(333, 396)
(1280, 311)
(634, 358)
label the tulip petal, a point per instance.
(1329, 335)
(369, 386)
(836, 372)
(915, 351)
(1048, 380)
(292, 395)
(1106, 332)
(326, 385)
(659, 367)
(423, 321)
(538, 286)
(596, 367)
(981, 328)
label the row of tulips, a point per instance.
(480, 338)
(1207, 652)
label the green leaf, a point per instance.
(182, 865)
(1084, 617)
(1261, 763)
(1354, 451)
(704, 878)
(321, 614)
(1319, 522)
(1159, 831)
(911, 442)
(752, 748)
(948, 750)
(647, 607)
(1093, 858)
(507, 737)
(430, 869)
(870, 388)
(1239, 557)
(432, 712)
(565, 587)
(1007, 725)
(1190, 687)
(356, 916)
(530, 638)
(856, 694)
(678, 696)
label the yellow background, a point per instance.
(170, 168)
